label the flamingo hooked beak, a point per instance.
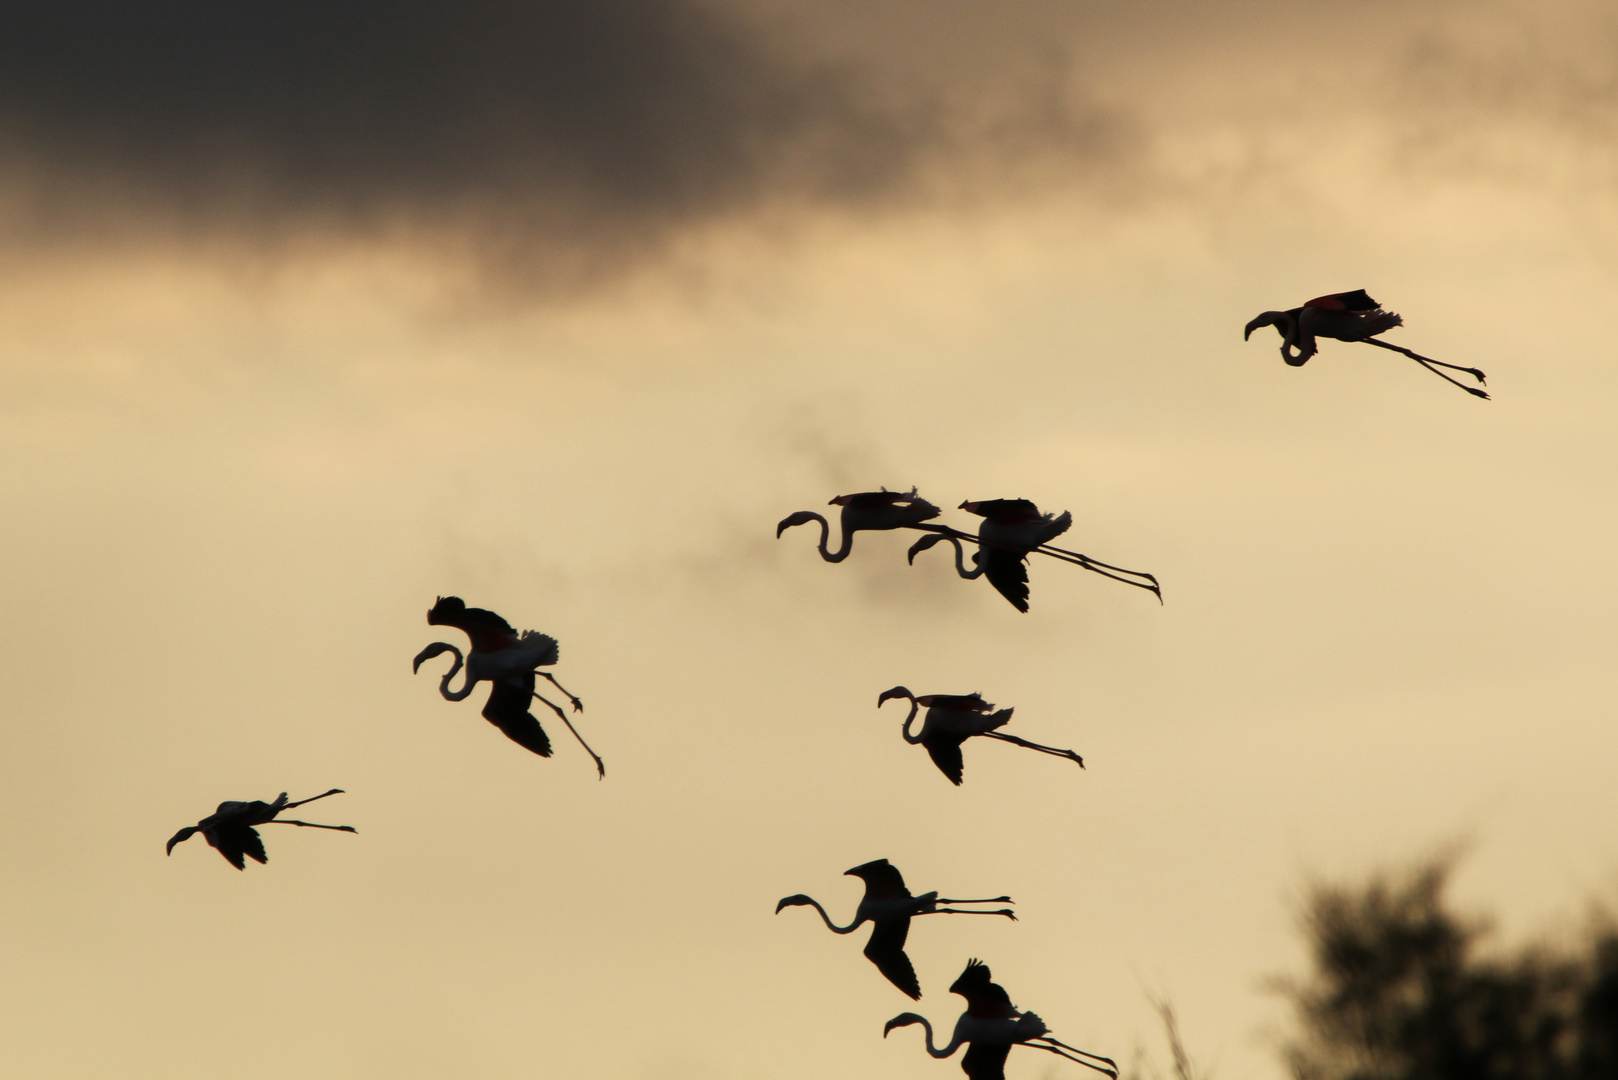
(889, 695)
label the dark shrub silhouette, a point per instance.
(1400, 991)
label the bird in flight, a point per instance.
(888, 906)
(1348, 316)
(509, 662)
(867, 511)
(229, 829)
(991, 1026)
(1012, 530)
(952, 719)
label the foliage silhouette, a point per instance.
(1400, 991)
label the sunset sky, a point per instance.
(313, 311)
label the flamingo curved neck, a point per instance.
(833, 926)
(825, 536)
(960, 562)
(466, 685)
(935, 1051)
(915, 707)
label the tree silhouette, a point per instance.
(1400, 991)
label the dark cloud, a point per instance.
(601, 125)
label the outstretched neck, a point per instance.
(936, 1051)
(833, 926)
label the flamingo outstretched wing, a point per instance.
(886, 950)
(507, 709)
(238, 843)
(946, 754)
(1008, 573)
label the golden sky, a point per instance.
(561, 308)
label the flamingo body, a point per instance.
(1011, 530)
(864, 511)
(510, 663)
(991, 1026)
(889, 906)
(952, 719)
(230, 830)
(1346, 316)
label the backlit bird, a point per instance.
(952, 719)
(1348, 316)
(889, 907)
(991, 1026)
(229, 830)
(1012, 530)
(867, 511)
(510, 663)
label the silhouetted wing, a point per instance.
(1007, 573)
(985, 1061)
(236, 842)
(1358, 300)
(886, 950)
(883, 879)
(545, 648)
(946, 754)
(507, 710)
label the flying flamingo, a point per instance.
(1012, 530)
(991, 1026)
(889, 907)
(1348, 316)
(229, 829)
(509, 662)
(951, 720)
(867, 511)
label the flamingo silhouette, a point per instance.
(952, 719)
(1012, 530)
(1347, 316)
(867, 511)
(889, 907)
(991, 1026)
(229, 829)
(510, 663)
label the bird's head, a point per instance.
(178, 838)
(1281, 320)
(796, 900)
(437, 648)
(802, 517)
(896, 692)
(902, 1020)
(923, 544)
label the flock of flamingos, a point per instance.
(1011, 531)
